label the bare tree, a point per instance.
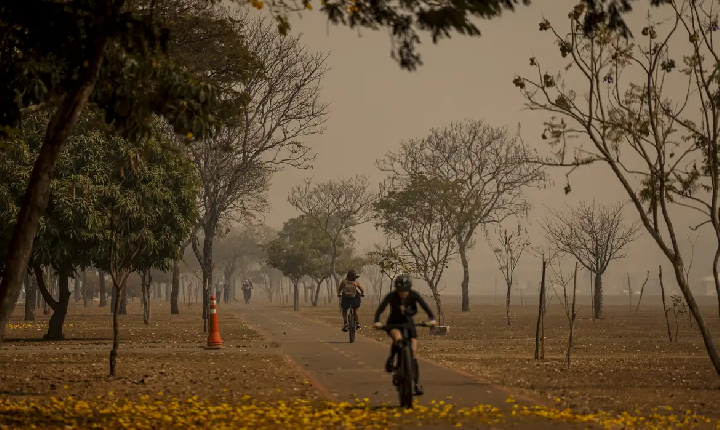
(280, 107)
(642, 290)
(595, 235)
(489, 168)
(508, 246)
(407, 213)
(336, 207)
(376, 278)
(561, 279)
(661, 148)
(546, 255)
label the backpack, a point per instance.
(348, 288)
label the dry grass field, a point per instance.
(623, 362)
(620, 363)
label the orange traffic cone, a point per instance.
(214, 340)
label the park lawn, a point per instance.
(623, 362)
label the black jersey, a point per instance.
(402, 310)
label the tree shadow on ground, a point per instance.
(66, 339)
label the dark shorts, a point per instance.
(411, 330)
(350, 302)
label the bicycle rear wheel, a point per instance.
(351, 326)
(405, 389)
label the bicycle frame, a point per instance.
(404, 372)
(351, 322)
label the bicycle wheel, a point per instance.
(405, 389)
(351, 326)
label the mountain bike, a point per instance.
(352, 324)
(404, 371)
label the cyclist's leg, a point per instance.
(396, 336)
(416, 367)
(344, 305)
(355, 308)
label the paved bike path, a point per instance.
(346, 371)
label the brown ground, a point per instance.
(620, 363)
(623, 362)
(78, 366)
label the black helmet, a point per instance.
(402, 283)
(351, 275)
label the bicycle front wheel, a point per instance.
(351, 326)
(405, 389)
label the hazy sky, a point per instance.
(375, 105)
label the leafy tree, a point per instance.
(652, 143)
(239, 250)
(319, 248)
(595, 235)
(405, 20)
(407, 212)
(70, 53)
(149, 197)
(68, 231)
(335, 207)
(291, 255)
(391, 261)
(271, 278)
(487, 169)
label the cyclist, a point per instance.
(348, 291)
(403, 307)
(247, 290)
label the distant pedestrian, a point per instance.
(226, 292)
(247, 290)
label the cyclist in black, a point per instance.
(403, 307)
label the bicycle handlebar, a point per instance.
(401, 326)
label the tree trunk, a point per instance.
(507, 302)
(296, 297)
(86, 293)
(30, 298)
(305, 293)
(123, 302)
(145, 283)
(168, 292)
(333, 265)
(174, 307)
(57, 320)
(112, 299)
(716, 276)
(183, 289)
(101, 285)
(438, 305)
(465, 285)
(329, 290)
(116, 299)
(37, 195)
(539, 337)
(568, 356)
(316, 296)
(695, 310)
(592, 297)
(207, 269)
(598, 303)
(573, 316)
(76, 286)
